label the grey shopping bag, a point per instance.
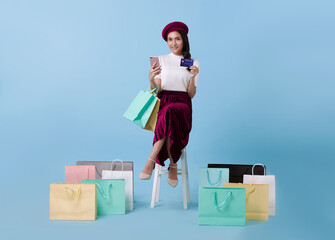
(106, 165)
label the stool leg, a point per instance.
(187, 180)
(154, 188)
(158, 182)
(188, 190)
(183, 174)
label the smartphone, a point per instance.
(153, 60)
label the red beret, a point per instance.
(174, 26)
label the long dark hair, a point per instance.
(186, 46)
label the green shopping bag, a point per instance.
(213, 177)
(222, 206)
(143, 109)
(110, 195)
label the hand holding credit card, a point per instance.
(186, 62)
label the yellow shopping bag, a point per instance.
(151, 124)
(73, 201)
(257, 203)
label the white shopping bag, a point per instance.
(123, 170)
(264, 179)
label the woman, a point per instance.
(177, 85)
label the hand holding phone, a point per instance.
(155, 67)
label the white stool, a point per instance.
(159, 171)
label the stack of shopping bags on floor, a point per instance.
(93, 188)
(230, 194)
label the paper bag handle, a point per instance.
(74, 194)
(117, 160)
(228, 197)
(153, 90)
(209, 181)
(257, 164)
(102, 191)
(250, 191)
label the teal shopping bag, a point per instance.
(141, 108)
(110, 195)
(222, 206)
(213, 177)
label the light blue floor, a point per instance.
(25, 212)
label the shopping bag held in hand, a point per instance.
(143, 109)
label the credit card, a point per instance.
(186, 62)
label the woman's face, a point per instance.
(175, 43)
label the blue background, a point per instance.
(69, 69)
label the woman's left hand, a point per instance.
(194, 71)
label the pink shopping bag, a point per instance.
(74, 174)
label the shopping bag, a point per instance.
(74, 174)
(144, 108)
(105, 165)
(213, 177)
(222, 206)
(151, 124)
(257, 200)
(236, 171)
(110, 195)
(264, 179)
(73, 201)
(122, 170)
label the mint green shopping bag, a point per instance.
(110, 195)
(142, 107)
(222, 206)
(213, 177)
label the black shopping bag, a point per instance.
(236, 171)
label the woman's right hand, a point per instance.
(154, 71)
